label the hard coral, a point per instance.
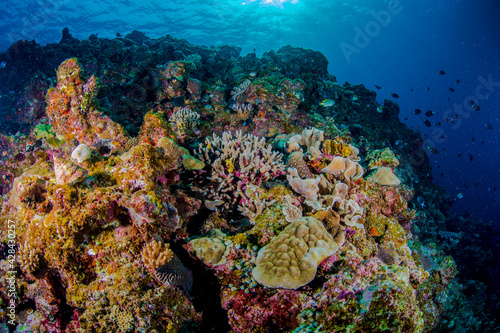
(156, 254)
(210, 250)
(291, 259)
(296, 160)
(237, 160)
(384, 176)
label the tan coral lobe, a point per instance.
(290, 260)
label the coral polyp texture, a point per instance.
(290, 260)
(179, 188)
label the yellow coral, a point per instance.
(290, 260)
(210, 250)
(192, 163)
(385, 176)
(170, 148)
(336, 146)
(230, 165)
(156, 254)
(124, 320)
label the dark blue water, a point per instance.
(400, 46)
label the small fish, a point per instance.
(433, 150)
(327, 102)
(355, 98)
(380, 109)
(473, 140)
(430, 113)
(442, 72)
(471, 158)
(459, 155)
(421, 201)
(458, 81)
(395, 95)
(417, 111)
(411, 89)
(427, 123)
(378, 87)
(488, 126)
(451, 89)
(476, 107)
(449, 99)
(428, 88)
(3, 64)
(437, 123)
(460, 195)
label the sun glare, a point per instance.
(274, 3)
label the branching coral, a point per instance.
(241, 89)
(237, 160)
(252, 204)
(156, 254)
(243, 111)
(165, 266)
(185, 121)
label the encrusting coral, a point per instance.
(73, 115)
(211, 249)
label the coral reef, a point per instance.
(290, 260)
(106, 178)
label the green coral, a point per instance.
(46, 131)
